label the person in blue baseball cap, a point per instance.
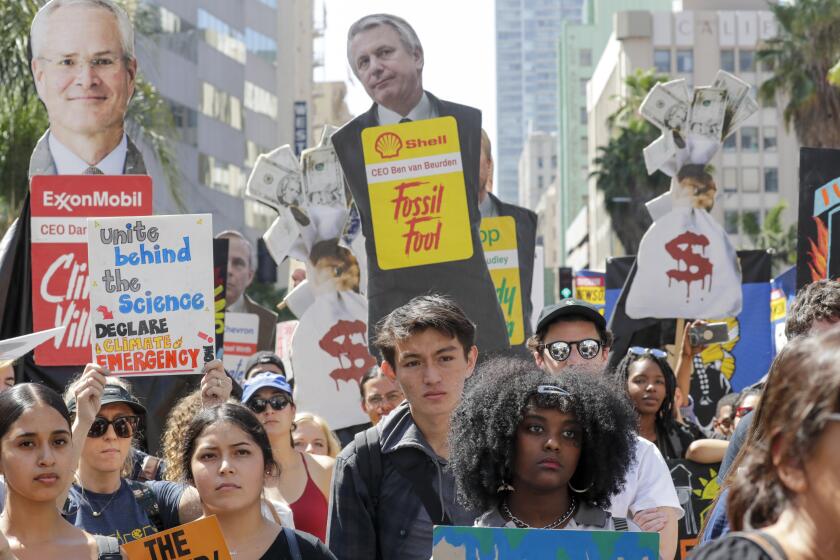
(304, 480)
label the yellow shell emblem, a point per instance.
(388, 145)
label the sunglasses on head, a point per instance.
(742, 411)
(124, 426)
(277, 402)
(560, 350)
(641, 351)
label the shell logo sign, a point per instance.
(418, 197)
(388, 145)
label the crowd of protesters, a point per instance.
(552, 439)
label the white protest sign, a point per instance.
(151, 293)
(14, 348)
(241, 333)
(329, 357)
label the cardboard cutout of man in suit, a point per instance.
(385, 54)
(84, 68)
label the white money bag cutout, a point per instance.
(686, 267)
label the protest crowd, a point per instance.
(442, 421)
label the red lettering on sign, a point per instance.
(697, 267)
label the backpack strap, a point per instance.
(620, 524)
(146, 499)
(421, 476)
(108, 548)
(765, 542)
(294, 547)
(369, 463)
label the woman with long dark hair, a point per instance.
(228, 458)
(650, 383)
(784, 497)
(37, 461)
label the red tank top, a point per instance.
(311, 509)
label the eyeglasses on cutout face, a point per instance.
(124, 426)
(277, 402)
(560, 350)
(641, 351)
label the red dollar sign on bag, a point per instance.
(697, 266)
(347, 342)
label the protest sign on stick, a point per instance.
(60, 280)
(818, 255)
(498, 239)
(241, 334)
(152, 293)
(503, 543)
(191, 541)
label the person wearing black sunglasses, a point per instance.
(101, 500)
(304, 480)
(574, 333)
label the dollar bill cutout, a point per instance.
(680, 90)
(323, 179)
(664, 109)
(281, 235)
(745, 111)
(659, 152)
(708, 110)
(736, 90)
(273, 184)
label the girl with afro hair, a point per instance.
(650, 383)
(534, 450)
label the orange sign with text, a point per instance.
(418, 197)
(198, 540)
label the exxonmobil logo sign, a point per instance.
(91, 195)
(70, 202)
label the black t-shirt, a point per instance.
(735, 546)
(311, 548)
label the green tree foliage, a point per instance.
(772, 236)
(620, 168)
(23, 118)
(800, 58)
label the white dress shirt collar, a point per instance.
(68, 163)
(423, 110)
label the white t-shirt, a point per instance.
(648, 484)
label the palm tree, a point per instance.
(620, 168)
(772, 236)
(800, 58)
(23, 118)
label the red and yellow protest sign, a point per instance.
(61, 205)
(191, 541)
(498, 239)
(418, 197)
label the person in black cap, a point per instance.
(573, 332)
(266, 361)
(103, 502)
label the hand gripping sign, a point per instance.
(418, 196)
(152, 293)
(60, 279)
(498, 239)
(198, 540)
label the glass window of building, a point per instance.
(685, 61)
(746, 60)
(749, 138)
(185, 120)
(583, 82)
(730, 144)
(260, 101)
(584, 118)
(730, 179)
(769, 138)
(270, 3)
(751, 219)
(584, 145)
(730, 221)
(221, 106)
(260, 45)
(539, 162)
(727, 60)
(586, 57)
(222, 36)
(771, 180)
(750, 179)
(540, 182)
(225, 177)
(662, 60)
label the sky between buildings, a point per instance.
(458, 38)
